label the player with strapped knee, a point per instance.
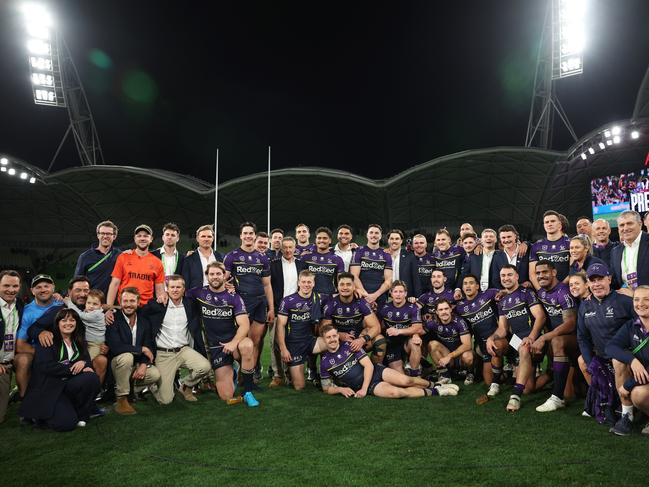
(225, 325)
(561, 334)
(520, 315)
(403, 329)
(480, 311)
(352, 374)
(449, 341)
(354, 320)
(298, 313)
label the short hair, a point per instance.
(205, 228)
(344, 226)
(551, 213)
(130, 290)
(248, 224)
(217, 264)
(76, 279)
(324, 329)
(262, 235)
(107, 223)
(346, 275)
(509, 266)
(583, 218)
(606, 221)
(324, 230)
(466, 235)
(547, 263)
(277, 230)
(10, 273)
(581, 275)
(288, 238)
(472, 276)
(306, 273)
(644, 287)
(444, 300)
(303, 225)
(508, 228)
(585, 241)
(489, 230)
(437, 270)
(630, 214)
(176, 277)
(171, 226)
(419, 235)
(398, 283)
(443, 231)
(564, 222)
(397, 231)
(375, 225)
(97, 293)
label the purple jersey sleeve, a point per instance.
(284, 306)
(327, 311)
(356, 258)
(416, 314)
(340, 264)
(265, 272)
(324, 373)
(227, 261)
(388, 260)
(238, 306)
(360, 354)
(364, 307)
(462, 327)
(565, 299)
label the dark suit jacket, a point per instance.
(120, 339)
(474, 266)
(500, 259)
(643, 262)
(193, 269)
(277, 278)
(47, 382)
(181, 260)
(408, 273)
(19, 306)
(155, 313)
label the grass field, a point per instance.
(308, 438)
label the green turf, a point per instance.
(308, 438)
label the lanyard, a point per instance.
(640, 346)
(11, 325)
(63, 352)
(97, 264)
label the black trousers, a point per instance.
(76, 402)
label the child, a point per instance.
(93, 318)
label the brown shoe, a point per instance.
(122, 406)
(276, 382)
(187, 393)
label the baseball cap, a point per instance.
(144, 227)
(597, 270)
(42, 278)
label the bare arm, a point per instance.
(532, 272)
(112, 291)
(565, 328)
(268, 291)
(539, 321)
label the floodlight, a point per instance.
(38, 46)
(616, 139)
(40, 63)
(42, 79)
(32, 180)
(635, 134)
(45, 96)
(3, 169)
(609, 142)
(37, 14)
(607, 134)
(583, 156)
(602, 146)
(591, 150)
(23, 175)
(11, 171)
(568, 17)
(4, 161)
(616, 130)
(38, 31)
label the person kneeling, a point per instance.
(353, 374)
(63, 386)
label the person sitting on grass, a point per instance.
(352, 374)
(630, 349)
(63, 385)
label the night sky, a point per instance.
(367, 87)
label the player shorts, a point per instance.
(377, 377)
(481, 343)
(256, 307)
(395, 351)
(219, 358)
(300, 350)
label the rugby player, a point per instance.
(261, 243)
(250, 270)
(324, 264)
(630, 351)
(225, 327)
(297, 315)
(479, 310)
(448, 258)
(372, 268)
(598, 319)
(302, 236)
(425, 263)
(428, 301)
(352, 374)
(449, 342)
(561, 335)
(354, 320)
(555, 248)
(520, 315)
(402, 323)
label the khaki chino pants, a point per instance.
(123, 366)
(168, 364)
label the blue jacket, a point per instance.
(474, 266)
(120, 339)
(192, 270)
(409, 273)
(522, 266)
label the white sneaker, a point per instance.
(447, 389)
(443, 380)
(81, 424)
(585, 414)
(494, 390)
(514, 403)
(470, 379)
(552, 404)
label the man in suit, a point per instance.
(172, 259)
(630, 259)
(510, 254)
(131, 346)
(404, 264)
(195, 265)
(482, 265)
(283, 280)
(174, 327)
(11, 308)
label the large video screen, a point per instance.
(611, 195)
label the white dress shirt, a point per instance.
(289, 271)
(173, 332)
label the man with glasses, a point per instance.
(97, 262)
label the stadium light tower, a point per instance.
(56, 83)
(560, 55)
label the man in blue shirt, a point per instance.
(97, 262)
